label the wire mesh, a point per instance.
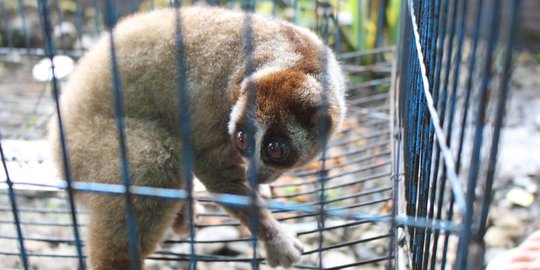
(453, 69)
(414, 171)
(340, 206)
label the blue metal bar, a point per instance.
(453, 100)
(248, 5)
(133, 5)
(7, 29)
(111, 18)
(184, 132)
(380, 21)
(60, 22)
(43, 7)
(426, 131)
(449, 62)
(399, 115)
(442, 107)
(251, 98)
(337, 33)
(468, 89)
(501, 105)
(325, 25)
(24, 25)
(417, 150)
(465, 237)
(360, 26)
(14, 210)
(408, 115)
(78, 23)
(433, 189)
(97, 11)
(245, 201)
(295, 11)
(323, 138)
(441, 138)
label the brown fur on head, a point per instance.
(290, 110)
(289, 70)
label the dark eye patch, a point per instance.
(277, 148)
(240, 139)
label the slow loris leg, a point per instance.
(153, 162)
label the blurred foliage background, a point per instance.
(346, 25)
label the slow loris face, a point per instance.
(286, 123)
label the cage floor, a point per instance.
(358, 184)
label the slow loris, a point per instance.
(289, 70)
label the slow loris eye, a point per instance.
(277, 150)
(240, 139)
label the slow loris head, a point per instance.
(294, 111)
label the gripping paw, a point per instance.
(283, 249)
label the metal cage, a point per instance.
(389, 192)
(452, 86)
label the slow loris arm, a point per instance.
(282, 248)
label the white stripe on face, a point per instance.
(236, 113)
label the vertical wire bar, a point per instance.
(449, 62)
(295, 11)
(413, 148)
(97, 12)
(248, 5)
(337, 34)
(405, 51)
(427, 15)
(378, 36)
(184, 130)
(392, 250)
(455, 81)
(359, 34)
(7, 30)
(325, 27)
(399, 91)
(410, 99)
(323, 173)
(323, 126)
(14, 210)
(133, 5)
(78, 23)
(499, 117)
(435, 91)
(449, 161)
(410, 138)
(252, 165)
(24, 24)
(468, 89)
(478, 137)
(423, 115)
(111, 17)
(444, 98)
(43, 8)
(435, 175)
(60, 22)
(417, 138)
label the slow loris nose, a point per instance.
(262, 175)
